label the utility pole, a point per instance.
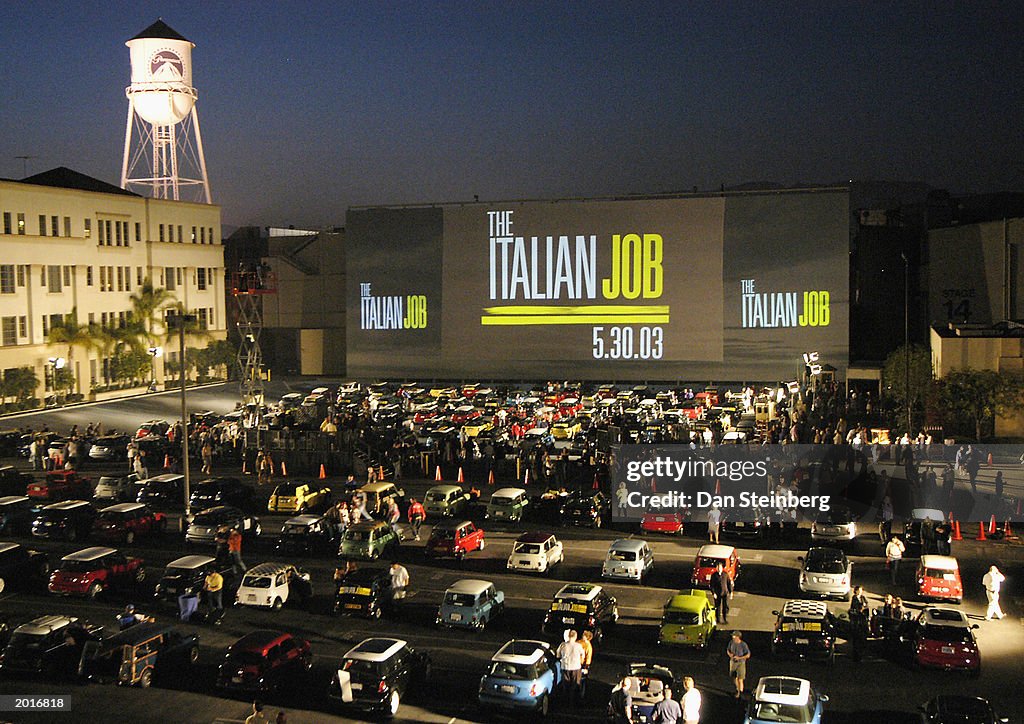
(906, 338)
(179, 321)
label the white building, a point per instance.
(73, 243)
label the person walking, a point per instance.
(894, 550)
(570, 655)
(714, 522)
(739, 654)
(588, 658)
(213, 588)
(207, 455)
(885, 527)
(993, 581)
(690, 702)
(721, 589)
(235, 551)
(399, 581)
(620, 705)
(417, 514)
(394, 516)
(668, 710)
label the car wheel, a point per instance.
(375, 613)
(394, 701)
(146, 679)
(193, 655)
(374, 554)
(129, 537)
(94, 591)
(276, 605)
(140, 575)
(460, 555)
(545, 705)
(2, 584)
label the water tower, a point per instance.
(163, 148)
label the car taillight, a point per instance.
(803, 578)
(845, 581)
(533, 689)
(590, 621)
(382, 687)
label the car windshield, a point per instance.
(356, 535)
(502, 502)
(459, 599)
(79, 566)
(112, 516)
(822, 564)
(245, 658)
(706, 562)
(436, 497)
(256, 582)
(771, 711)
(615, 555)
(682, 618)
(293, 529)
(159, 484)
(21, 643)
(51, 515)
(108, 481)
(943, 573)
(360, 668)
(506, 670)
(285, 489)
(948, 634)
(527, 548)
(174, 573)
(210, 518)
(835, 517)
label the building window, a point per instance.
(88, 228)
(117, 232)
(127, 278)
(10, 331)
(103, 316)
(122, 319)
(7, 279)
(181, 235)
(193, 235)
(138, 231)
(88, 276)
(53, 275)
(169, 279)
(202, 234)
(21, 224)
(42, 224)
(161, 232)
(7, 222)
(170, 233)
(179, 276)
(103, 279)
(54, 226)
(120, 279)
(110, 236)
(23, 326)
(22, 270)
(100, 233)
(67, 226)
(201, 278)
(202, 318)
(67, 275)
(138, 276)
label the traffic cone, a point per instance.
(654, 485)
(244, 471)
(461, 478)
(718, 486)
(990, 459)
(284, 469)
(490, 478)
(526, 477)
(437, 474)
(380, 472)
(167, 461)
(992, 524)
(956, 530)
(1007, 531)
(981, 531)
(597, 485)
(323, 471)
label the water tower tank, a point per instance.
(161, 88)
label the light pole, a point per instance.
(179, 321)
(56, 363)
(906, 338)
(154, 352)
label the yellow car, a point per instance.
(297, 497)
(688, 619)
(477, 427)
(565, 430)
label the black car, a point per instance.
(262, 662)
(16, 514)
(959, 709)
(186, 575)
(586, 508)
(50, 645)
(364, 592)
(805, 629)
(110, 447)
(67, 520)
(307, 534)
(22, 567)
(376, 675)
(10, 440)
(138, 654)
(13, 481)
(581, 607)
(754, 523)
(162, 490)
(221, 491)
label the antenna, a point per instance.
(24, 164)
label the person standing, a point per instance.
(399, 580)
(416, 516)
(588, 658)
(570, 655)
(394, 516)
(894, 550)
(620, 705)
(690, 702)
(235, 551)
(668, 710)
(739, 654)
(721, 589)
(213, 586)
(207, 454)
(859, 610)
(885, 527)
(714, 522)
(948, 481)
(257, 716)
(993, 581)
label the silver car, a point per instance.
(837, 525)
(826, 572)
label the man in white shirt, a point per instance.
(992, 581)
(714, 522)
(570, 655)
(690, 702)
(893, 555)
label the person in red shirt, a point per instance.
(235, 551)
(416, 514)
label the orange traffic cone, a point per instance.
(992, 524)
(437, 474)
(461, 478)
(490, 478)
(956, 530)
(597, 485)
(1007, 531)
(654, 485)
(526, 477)
(718, 486)
(167, 461)
(380, 472)
(284, 469)
(981, 531)
(990, 459)
(244, 471)
(323, 471)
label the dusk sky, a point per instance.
(307, 108)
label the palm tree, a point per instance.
(146, 303)
(192, 329)
(73, 334)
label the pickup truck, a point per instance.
(61, 485)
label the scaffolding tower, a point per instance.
(248, 289)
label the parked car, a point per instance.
(375, 675)
(589, 508)
(50, 645)
(262, 661)
(785, 699)
(125, 522)
(16, 514)
(119, 489)
(271, 585)
(162, 490)
(445, 501)
(688, 619)
(507, 504)
(938, 578)
(837, 525)
(581, 607)
(186, 575)
(628, 559)
(804, 629)
(297, 497)
(959, 709)
(91, 571)
(139, 655)
(221, 491)
(21, 567)
(754, 524)
(68, 520)
(523, 675)
(913, 530)
(369, 539)
(471, 603)
(535, 553)
(110, 447)
(13, 481)
(206, 523)
(942, 638)
(364, 592)
(647, 688)
(307, 534)
(826, 572)
(10, 441)
(60, 485)
(153, 427)
(379, 496)
(708, 558)
(658, 521)
(455, 539)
